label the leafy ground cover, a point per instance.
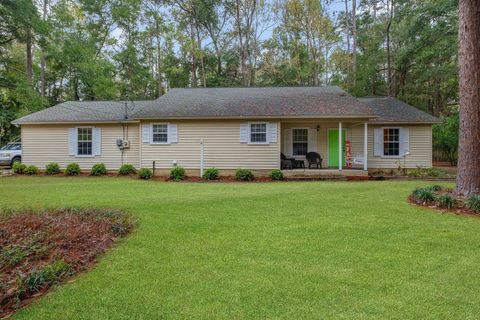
(294, 250)
(41, 249)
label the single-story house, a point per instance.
(230, 128)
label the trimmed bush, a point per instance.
(52, 168)
(211, 174)
(435, 187)
(127, 169)
(31, 170)
(473, 203)
(276, 174)
(244, 175)
(424, 194)
(177, 173)
(73, 169)
(145, 173)
(19, 167)
(446, 201)
(98, 169)
(50, 274)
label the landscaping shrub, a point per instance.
(426, 172)
(473, 203)
(211, 174)
(244, 175)
(19, 167)
(48, 275)
(73, 169)
(52, 168)
(31, 170)
(98, 169)
(435, 187)
(276, 174)
(177, 173)
(145, 173)
(446, 201)
(424, 194)
(127, 169)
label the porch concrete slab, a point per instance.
(324, 173)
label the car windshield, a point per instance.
(12, 146)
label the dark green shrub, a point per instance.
(473, 203)
(73, 169)
(177, 173)
(98, 169)
(31, 170)
(19, 167)
(48, 275)
(435, 187)
(244, 175)
(145, 173)
(424, 194)
(276, 174)
(52, 168)
(127, 169)
(211, 174)
(446, 201)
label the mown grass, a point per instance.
(307, 250)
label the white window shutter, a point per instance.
(272, 132)
(404, 141)
(378, 142)
(172, 133)
(312, 140)
(244, 133)
(287, 142)
(146, 129)
(72, 141)
(97, 141)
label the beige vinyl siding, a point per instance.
(420, 147)
(42, 144)
(223, 149)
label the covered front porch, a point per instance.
(324, 146)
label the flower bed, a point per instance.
(444, 199)
(42, 249)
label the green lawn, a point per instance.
(310, 250)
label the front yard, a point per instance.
(315, 250)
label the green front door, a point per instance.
(333, 147)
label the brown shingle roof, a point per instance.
(326, 101)
(393, 110)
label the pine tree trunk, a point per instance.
(354, 35)
(43, 83)
(468, 177)
(29, 63)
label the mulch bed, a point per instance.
(459, 209)
(42, 249)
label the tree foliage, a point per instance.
(59, 50)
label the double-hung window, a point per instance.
(391, 141)
(258, 133)
(300, 142)
(160, 133)
(84, 141)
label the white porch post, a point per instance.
(340, 147)
(365, 146)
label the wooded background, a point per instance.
(57, 50)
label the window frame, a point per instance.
(250, 133)
(308, 132)
(399, 143)
(152, 134)
(92, 155)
